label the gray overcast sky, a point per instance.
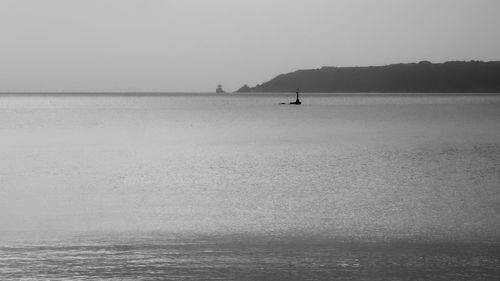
(192, 45)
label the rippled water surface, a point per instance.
(387, 187)
(223, 258)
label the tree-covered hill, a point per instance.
(422, 77)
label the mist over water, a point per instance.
(362, 167)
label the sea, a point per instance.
(195, 186)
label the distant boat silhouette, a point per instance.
(297, 101)
(219, 90)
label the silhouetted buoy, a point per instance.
(297, 101)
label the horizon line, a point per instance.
(166, 93)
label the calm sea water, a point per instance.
(205, 187)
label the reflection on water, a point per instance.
(362, 168)
(223, 258)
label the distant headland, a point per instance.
(422, 77)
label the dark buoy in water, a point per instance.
(297, 101)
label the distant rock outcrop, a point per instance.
(244, 89)
(423, 77)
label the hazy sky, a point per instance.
(193, 45)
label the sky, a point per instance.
(193, 45)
